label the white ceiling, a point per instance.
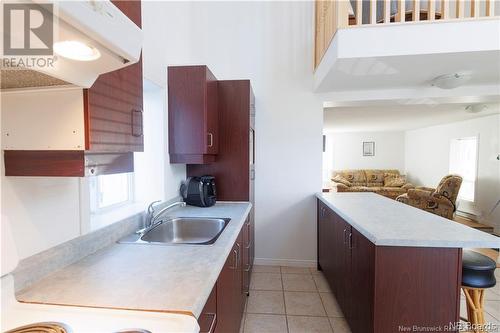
(412, 71)
(397, 117)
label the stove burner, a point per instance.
(46, 327)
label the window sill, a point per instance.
(102, 219)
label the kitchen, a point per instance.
(66, 260)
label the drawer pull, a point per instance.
(210, 140)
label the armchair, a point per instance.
(440, 201)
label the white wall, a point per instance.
(269, 43)
(427, 158)
(155, 177)
(44, 212)
(345, 151)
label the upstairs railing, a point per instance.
(331, 15)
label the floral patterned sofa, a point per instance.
(440, 201)
(388, 183)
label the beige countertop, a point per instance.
(387, 222)
(176, 278)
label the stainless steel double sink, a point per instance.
(181, 230)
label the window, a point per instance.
(110, 191)
(463, 162)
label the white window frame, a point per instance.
(95, 198)
(465, 202)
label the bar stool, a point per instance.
(478, 274)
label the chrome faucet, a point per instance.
(152, 217)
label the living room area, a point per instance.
(442, 158)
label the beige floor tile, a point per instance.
(491, 295)
(242, 325)
(298, 282)
(331, 306)
(339, 325)
(266, 281)
(262, 323)
(321, 283)
(266, 269)
(295, 270)
(314, 270)
(301, 324)
(303, 304)
(493, 308)
(264, 301)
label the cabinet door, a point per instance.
(361, 292)
(226, 289)
(342, 262)
(114, 104)
(192, 115)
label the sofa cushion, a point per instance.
(360, 189)
(374, 178)
(341, 180)
(355, 177)
(393, 180)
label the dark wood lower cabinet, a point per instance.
(229, 294)
(386, 289)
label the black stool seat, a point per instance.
(478, 271)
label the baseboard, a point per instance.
(284, 262)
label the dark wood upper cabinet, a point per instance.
(114, 104)
(193, 117)
(112, 126)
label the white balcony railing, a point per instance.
(332, 15)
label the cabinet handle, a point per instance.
(135, 133)
(210, 139)
(212, 325)
(345, 231)
(249, 245)
(238, 257)
(235, 260)
(350, 241)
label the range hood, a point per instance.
(97, 25)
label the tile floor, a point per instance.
(298, 300)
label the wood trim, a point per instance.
(44, 163)
(387, 11)
(97, 164)
(373, 11)
(445, 9)
(460, 8)
(65, 163)
(490, 7)
(431, 10)
(401, 16)
(416, 11)
(359, 12)
(474, 8)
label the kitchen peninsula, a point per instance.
(390, 265)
